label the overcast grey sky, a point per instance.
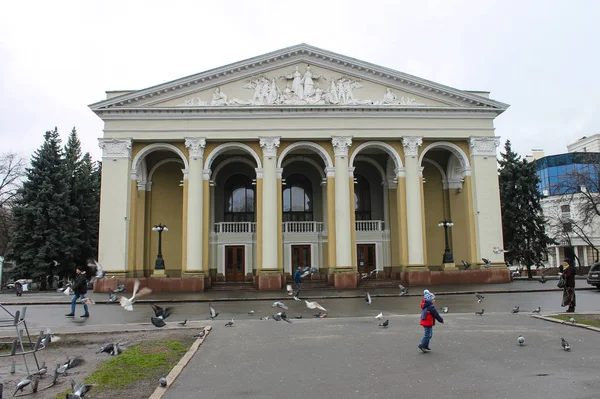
(541, 57)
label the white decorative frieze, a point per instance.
(411, 145)
(300, 89)
(484, 146)
(195, 146)
(269, 146)
(115, 148)
(341, 145)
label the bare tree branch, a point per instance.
(12, 171)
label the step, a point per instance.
(233, 286)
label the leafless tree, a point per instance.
(12, 171)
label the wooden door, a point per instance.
(366, 257)
(300, 257)
(234, 263)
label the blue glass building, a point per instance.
(556, 171)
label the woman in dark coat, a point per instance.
(567, 271)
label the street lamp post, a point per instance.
(446, 224)
(160, 263)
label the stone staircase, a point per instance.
(233, 286)
(379, 283)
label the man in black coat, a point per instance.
(79, 291)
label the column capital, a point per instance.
(483, 146)
(195, 146)
(400, 172)
(329, 172)
(206, 173)
(259, 173)
(185, 174)
(279, 173)
(351, 171)
(341, 145)
(411, 145)
(115, 148)
(269, 146)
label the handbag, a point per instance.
(561, 282)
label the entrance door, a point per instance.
(365, 257)
(234, 263)
(300, 257)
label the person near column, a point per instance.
(567, 271)
(298, 282)
(79, 291)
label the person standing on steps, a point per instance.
(567, 271)
(79, 291)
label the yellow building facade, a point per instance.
(300, 157)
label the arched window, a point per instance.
(362, 198)
(239, 199)
(297, 199)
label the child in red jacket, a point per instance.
(429, 315)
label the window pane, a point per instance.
(287, 203)
(297, 199)
(249, 200)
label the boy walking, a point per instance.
(79, 291)
(298, 281)
(429, 315)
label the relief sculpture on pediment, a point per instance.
(301, 89)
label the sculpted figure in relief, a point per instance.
(308, 83)
(218, 98)
(297, 88)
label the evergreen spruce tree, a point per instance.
(523, 224)
(45, 229)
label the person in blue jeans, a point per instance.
(429, 315)
(79, 291)
(298, 281)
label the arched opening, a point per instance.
(362, 198)
(298, 199)
(239, 199)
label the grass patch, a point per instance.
(587, 319)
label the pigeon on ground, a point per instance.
(542, 279)
(116, 350)
(289, 289)
(21, 385)
(112, 297)
(158, 322)
(79, 390)
(201, 334)
(163, 381)
(99, 272)
(521, 340)
(106, 348)
(251, 312)
(315, 305)
(69, 364)
(487, 263)
(515, 310)
(368, 299)
(379, 316)
(42, 370)
(279, 304)
(229, 323)
(479, 297)
(127, 303)
(160, 312)
(280, 316)
(182, 323)
(537, 310)
(572, 320)
(120, 287)
(318, 314)
(444, 309)
(49, 338)
(565, 344)
(212, 313)
(403, 290)
(296, 298)
(385, 324)
(466, 264)
(480, 313)
(265, 318)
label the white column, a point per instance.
(324, 200)
(195, 201)
(556, 251)
(343, 236)
(115, 198)
(269, 146)
(414, 217)
(585, 255)
(386, 205)
(486, 197)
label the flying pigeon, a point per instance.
(251, 312)
(379, 316)
(79, 390)
(521, 340)
(49, 338)
(403, 290)
(279, 305)
(106, 348)
(120, 287)
(163, 381)
(479, 297)
(515, 310)
(296, 298)
(158, 322)
(280, 316)
(201, 334)
(112, 297)
(385, 324)
(308, 270)
(182, 323)
(565, 344)
(572, 320)
(212, 313)
(229, 323)
(364, 276)
(480, 313)
(537, 310)
(487, 263)
(160, 312)
(22, 384)
(69, 364)
(498, 250)
(265, 318)
(315, 305)
(466, 264)
(444, 309)
(127, 303)
(289, 289)
(368, 299)
(88, 301)
(99, 272)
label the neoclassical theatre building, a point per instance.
(299, 157)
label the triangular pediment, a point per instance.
(299, 76)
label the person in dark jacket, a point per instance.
(429, 315)
(79, 291)
(567, 271)
(298, 281)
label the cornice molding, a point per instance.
(115, 148)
